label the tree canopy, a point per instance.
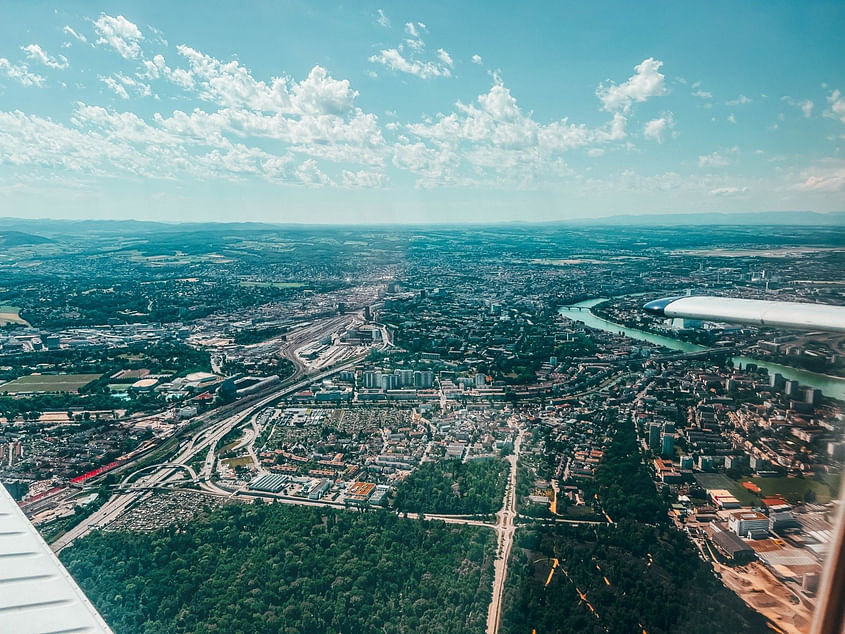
(274, 568)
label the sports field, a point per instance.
(48, 383)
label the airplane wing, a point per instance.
(791, 315)
(37, 594)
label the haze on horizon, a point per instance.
(400, 113)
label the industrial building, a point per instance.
(750, 524)
(271, 483)
(730, 545)
(318, 488)
(723, 499)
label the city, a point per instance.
(439, 318)
(428, 391)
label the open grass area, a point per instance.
(243, 461)
(11, 315)
(833, 482)
(48, 383)
(721, 481)
(793, 489)
(582, 512)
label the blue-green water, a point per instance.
(829, 385)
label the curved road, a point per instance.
(203, 439)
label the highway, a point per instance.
(203, 439)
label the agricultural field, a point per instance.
(11, 315)
(33, 383)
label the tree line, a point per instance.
(277, 568)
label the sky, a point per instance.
(408, 112)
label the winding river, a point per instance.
(829, 385)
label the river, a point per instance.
(829, 385)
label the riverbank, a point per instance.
(830, 386)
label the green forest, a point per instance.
(636, 577)
(640, 574)
(454, 487)
(273, 568)
(623, 483)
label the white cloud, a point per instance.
(20, 73)
(728, 191)
(121, 84)
(406, 57)
(233, 86)
(806, 106)
(37, 54)
(115, 86)
(739, 101)
(827, 176)
(647, 81)
(732, 118)
(157, 68)
(119, 33)
(476, 59)
(493, 141)
(698, 92)
(837, 106)
(382, 19)
(69, 31)
(656, 129)
(309, 174)
(309, 125)
(362, 179)
(712, 160)
(319, 93)
(106, 143)
(444, 57)
(394, 60)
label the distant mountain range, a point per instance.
(769, 218)
(53, 227)
(9, 239)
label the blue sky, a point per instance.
(419, 112)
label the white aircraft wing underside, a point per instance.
(37, 594)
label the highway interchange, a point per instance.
(210, 428)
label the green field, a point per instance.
(243, 461)
(11, 315)
(274, 284)
(720, 481)
(793, 489)
(48, 383)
